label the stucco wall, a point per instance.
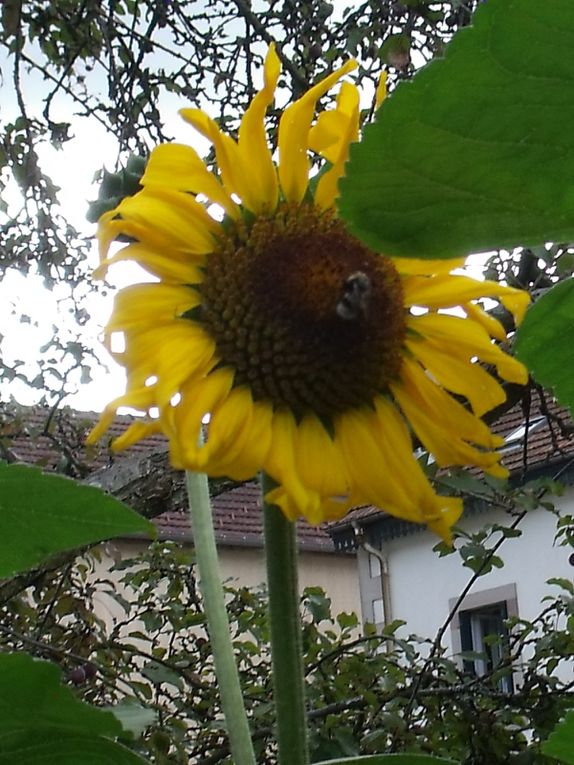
(421, 584)
(336, 573)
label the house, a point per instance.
(402, 577)
(143, 479)
(370, 563)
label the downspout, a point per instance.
(385, 578)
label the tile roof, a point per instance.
(42, 436)
(29, 434)
(237, 522)
(56, 443)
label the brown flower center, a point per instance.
(307, 316)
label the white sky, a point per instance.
(72, 169)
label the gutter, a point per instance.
(362, 543)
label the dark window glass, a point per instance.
(483, 631)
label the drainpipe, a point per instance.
(385, 579)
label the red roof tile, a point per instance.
(237, 520)
(32, 437)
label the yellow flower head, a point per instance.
(295, 338)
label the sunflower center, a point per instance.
(307, 316)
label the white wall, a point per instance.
(422, 584)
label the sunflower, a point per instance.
(308, 355)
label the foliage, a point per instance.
(561, 742)
(42, 720)
(548, 320)
(465, 158)
(143, 646)
(44, 514)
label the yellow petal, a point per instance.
(227, 431)
(235, 172)
(163, 220)
(244, 464)
(466, 338)
(150, 304)
(318, 466)
(423, 267)
(438, 512)
(142, 399)
(441, 516)
(319, 461)
(294, 130)
(225, 147)
(284, 502)
(328, 510)
(450, 414)
(331, 135)
(447, 291)
(347, 114)
(174, 353)
(515, 301)
(281, 464)
(137, 431)
(183, 422)
(166, 267)
(381, 92)
(458, 375)
(486, 320)
(253, 146)
(373, 479)
(443, 425)
(180, 168)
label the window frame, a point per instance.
(503, 597)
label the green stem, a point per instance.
(218, 623)
(285, 630)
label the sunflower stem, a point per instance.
(285, 632)
(217, 620)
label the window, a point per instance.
(479, 627)
(483, 631)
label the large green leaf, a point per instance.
(45, 514)
(43, 722)
(31, 697)
(560, 743)
(477, 152)
(544, 341)
(57, 748)
(390, 759)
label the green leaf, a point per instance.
(31, 698)
(560, 743)
(65, 749)
(475, 153)
(543, 341)
(134, 717)
(464, 481)
(390, 759)
(41, 515)
(396, 51)
(43, 722)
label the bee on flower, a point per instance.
(298, 340)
